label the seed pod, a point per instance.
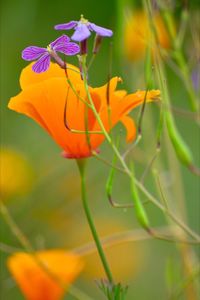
(182, 150)
(139, 209)
(97, 44)
(109, 183)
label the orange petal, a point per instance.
(103, 90)
(129, 124)
(131, 101)
(122, 106)
(114, 96)
(35, 283)
(29, 77)
(121, 93)
(97, 103)
(45, 102)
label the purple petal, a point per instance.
(66, 26)
(33, 52)
(68, 49)
(100, 30)
(81, 32)
(42, 64)
(61, 40)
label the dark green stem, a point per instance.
(81, 166)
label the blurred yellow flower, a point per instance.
(16, 173)
(137, 35)
(35, 283)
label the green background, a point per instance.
(51, 215)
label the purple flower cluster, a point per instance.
(63, 45)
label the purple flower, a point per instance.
(43, 55)
(83, 28)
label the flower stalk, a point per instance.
(81, 166)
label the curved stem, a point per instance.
(15, 229)
(136, 235)
(81, 166)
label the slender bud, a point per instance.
(80, 65)
(109, 184)
(139, 209)
(160, 127)
(182, 150)
(83, 47)
(97, 43)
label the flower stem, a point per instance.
(15, 229)
(81, 166)
(136, 235)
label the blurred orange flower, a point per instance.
(137, 35)
(35, 283)
(43, 98)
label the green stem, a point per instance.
(185, 283)
(81, 166)
(78, 294)
(136, 235)
(180, 59)
(15, 229)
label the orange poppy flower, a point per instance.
(43, 98)
(35, 283)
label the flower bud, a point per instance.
(97, 43)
